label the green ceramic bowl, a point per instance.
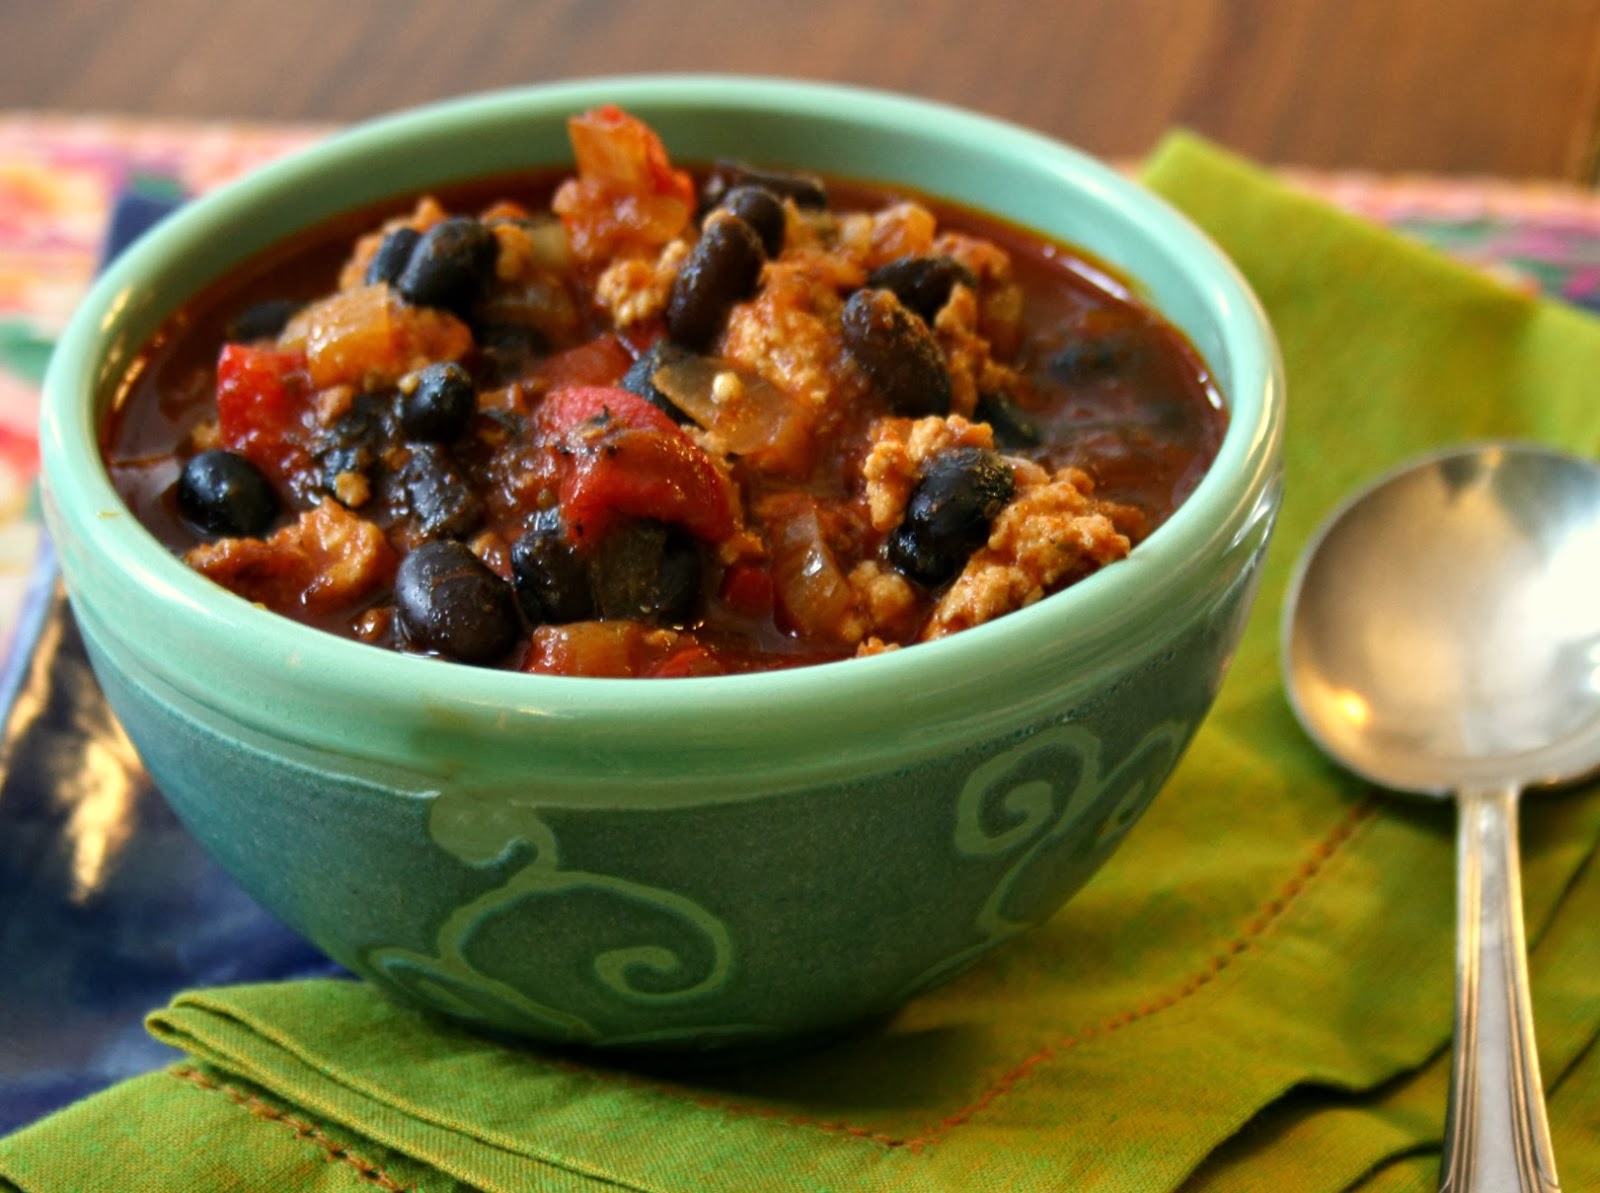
(681, 863)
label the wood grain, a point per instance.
(1507, 87)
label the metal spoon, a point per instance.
(1442, 637)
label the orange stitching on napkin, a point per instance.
(1254, 928)
(711, 1102)
(336, 1153)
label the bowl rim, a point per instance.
(1092, 613)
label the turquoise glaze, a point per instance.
(683, 863)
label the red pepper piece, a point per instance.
(616, 650)
(261, 395)
(645, 474)
(624, 457)
(567, 408)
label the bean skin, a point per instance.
(393, 252)
(550, 577)
(807, 190)
(441, 498)
(948, 515)
(1095, 357)
(357, 442)
(449, 602)
(222, 493)
(894, 348)
(437, 402)
(763, 211)
(449, 265)
(922, 284)
(723, 268)
(642, 571)
(506, 351)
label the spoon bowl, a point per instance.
(1441, 637)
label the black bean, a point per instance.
(441, 498)
(922, 284)
(261, 320)
(449, 266)
(1013, 426)
(551, 578)
(897, 352)
(394, 251)
(222, 493)
(763, 211)
(450, 602)
(807, 190)
(436, 403)
(639, 377)
(948, 515)
(723, 267)
(356, 442)
(1091, 358)
(647, 571)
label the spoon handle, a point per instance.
(1496, 1136)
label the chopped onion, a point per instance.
(752, 416)
(812, 592)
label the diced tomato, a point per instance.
(645, 474)
(261, 399)
(564, 410)
(627, 198)
(601, 361)
(623, 457)
(624, 152)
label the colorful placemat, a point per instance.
(59, 176)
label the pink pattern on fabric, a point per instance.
(59, 175)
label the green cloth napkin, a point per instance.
(1255, 994)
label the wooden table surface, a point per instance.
(1502, 87)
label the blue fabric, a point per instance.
(107, 906)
